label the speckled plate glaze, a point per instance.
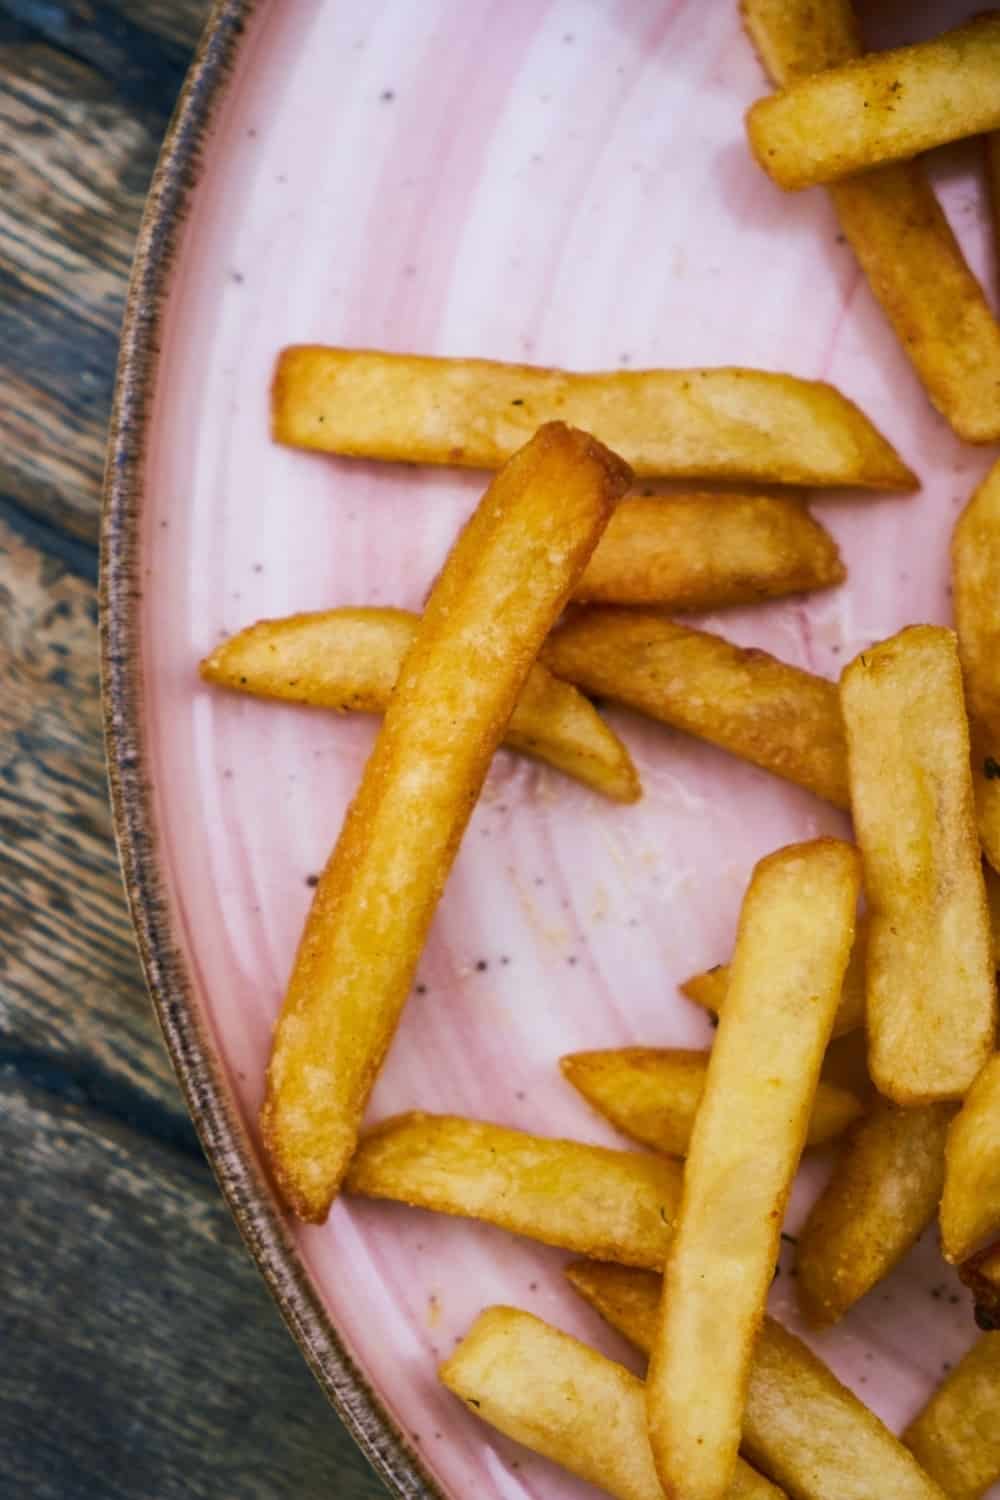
(560, 181)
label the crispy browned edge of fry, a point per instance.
(981, 1274)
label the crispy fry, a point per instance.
(896, 228)
(992, 882)
(883, 1194)
(652, 1094)
(565, 1401)
(709, 989)
(500, 591)
(348, 660)
(957, 1435)
(795, 935)
(802, 1427)
(975, 577)
(981, 1274)
(930, 1000)
(616, 1205)
(745, 701)
(744, 425)
(708, 552)
(993, 184)
(883, 107)
(970, 1204)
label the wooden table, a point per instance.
(140, 1356)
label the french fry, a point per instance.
(709, 988)
(708, 552)
(883, 1194)
(500, 591)
(981, 1274)
(615, 1205)
(975, 577)
(348, 660)
(957, 1435)
(565, 1401)
(883, 107)
(794, 941)
(743, 425)
(800, 1425)
(652, 1095)
(970, 1204)
(993, 184)
(931, 994)
(896, 228)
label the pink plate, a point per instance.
(557, 181)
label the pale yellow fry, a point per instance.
(981, 1274)
(957, 1435)
(883, 107)
(565, 1401)
(970, 1204)
(800, 1425)
(499, 593)
(896, 228)
(652, 1094)
(883, 1194)
(348, 660)
(778, 717)
(616, 1205)
(709, 989)
(747, 425)
(794, 940)
(930, 1000)
(709, 551)
(975, 577)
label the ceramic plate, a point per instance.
(556, 181)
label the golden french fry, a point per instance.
(970, 1203)
(800, 1425)
(565, 1401)
(794, 941)
(930, 1001)
(883, 107)
(616, 1205)
(957, 1435)
(709, 989)
(747, 425)
(883, 1194)
(652, 1094)
(897, 230)
(975, 577)
(498, 595)
(709, 551)
(993, 182)
(783, 719)
(981, 1274)
(348, 660)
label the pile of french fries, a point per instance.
(557, 588)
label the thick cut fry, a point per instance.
(897, 230)
(930, 999)
(497, 597)
(616, 1205)
(975, 577)
(970, 1204)
(800, 1425)
(883, 1194)
(883, 107)
(709, 989)
(794, 940)
(652, 1094)
(957, 1435)
(565, 1401)
(785, 720)
(348, 660)
(723, 423)
(708, 552)
(981, 1274)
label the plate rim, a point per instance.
(191, 1048)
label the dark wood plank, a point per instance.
(142, 1357)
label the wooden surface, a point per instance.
(142, 1358)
